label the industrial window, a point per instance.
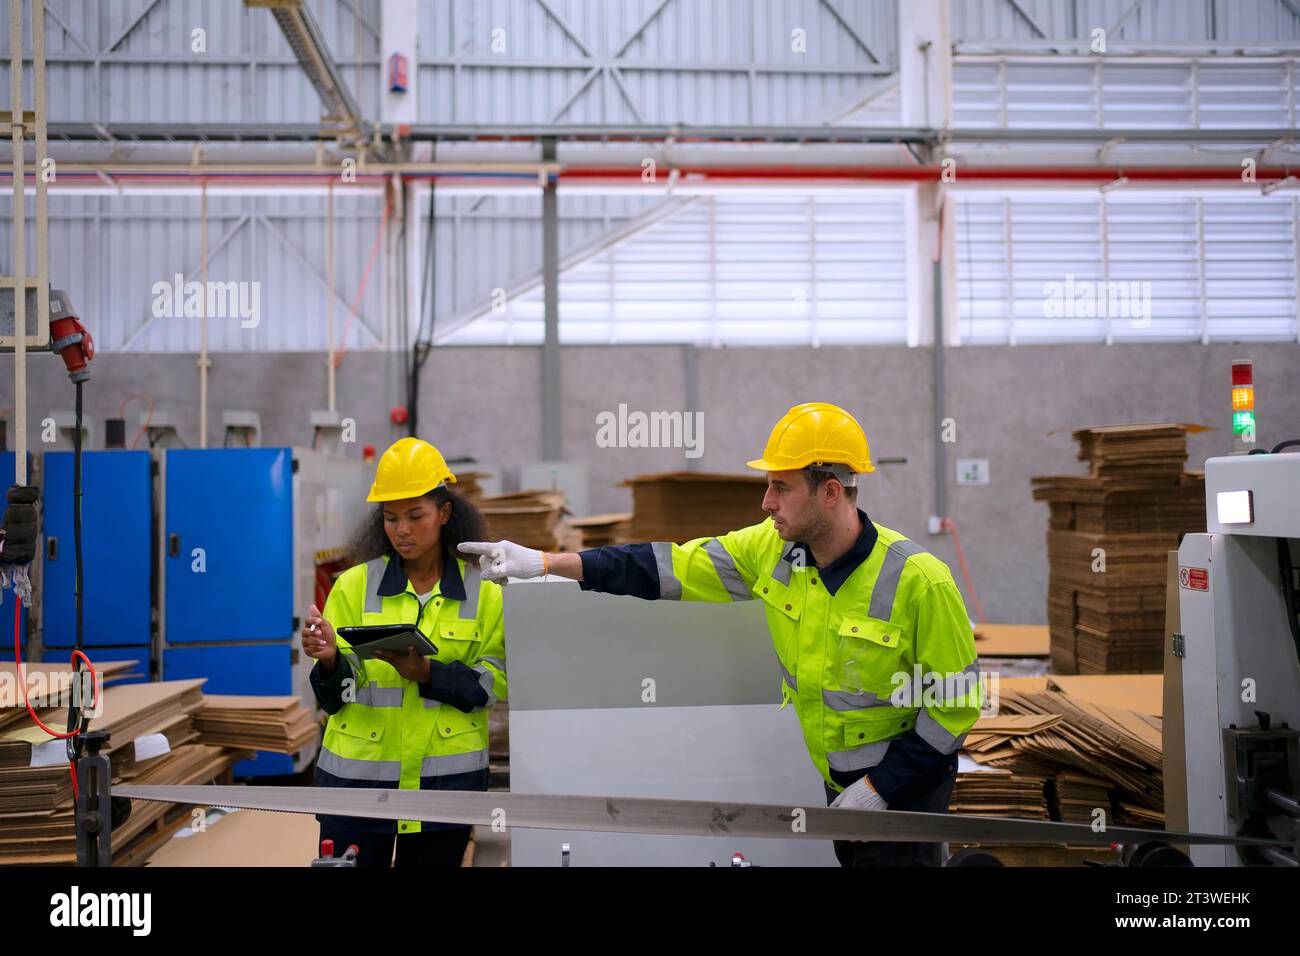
(1128, 266)
(1100, 94)
(730, 269)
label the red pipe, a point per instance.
(1094, 175)
(960, 173)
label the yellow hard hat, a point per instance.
(408, 469)
(815, 432)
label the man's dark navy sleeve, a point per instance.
(910, 764)
(628, 569)
(456, 683)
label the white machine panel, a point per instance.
(1254, 495)
(1239, 658)
(613, 695)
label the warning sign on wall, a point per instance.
(1194, 579)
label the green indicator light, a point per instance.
(1243, 422)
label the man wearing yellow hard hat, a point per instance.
(872, 640)
(408, 721)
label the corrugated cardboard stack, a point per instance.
(534, 519)
(1107, 542)
(152, 740)
(1071, 746)
(468, 484)
(681, 505)
(279, 725)
(600, 530)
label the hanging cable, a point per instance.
(951, 527)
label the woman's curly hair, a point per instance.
(466, 524)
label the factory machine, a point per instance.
(1239, 598)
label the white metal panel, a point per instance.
(992, 92)
(1215, 268)
(108, 252)
(732, 269)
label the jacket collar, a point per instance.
(394, 581)
(838, 571)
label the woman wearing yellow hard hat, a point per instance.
(412, 716)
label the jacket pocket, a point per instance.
(456, 640)
(362, 723)
(885, 725)
(870, 653)
(779, 598)
(453, 722)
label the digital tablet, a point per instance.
(367, 639)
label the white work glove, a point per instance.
(860, 796)
(499, 560)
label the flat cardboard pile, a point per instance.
(280, 725)
(1006, 784)
(1108, 536)
(151, 729)
(678, 506)
(1098, 746)
(600, 530)
(534, 519)
(468, 484)
(1012, 640)
(49, 839)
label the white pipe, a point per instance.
(42, 208)
(329, 295)
(203, 318)
(20, 241)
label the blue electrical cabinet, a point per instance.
(242, 669)
(116, 549)
(227, 574)
(228, 545)
(7, 599)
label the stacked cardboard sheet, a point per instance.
(150, 729)
(1108, 537)
(681, 505)
(534, 519)
(1004, 784)
(277, 724)
(49, 838)
(1012, 640)
(468, 484)
(600, 530)
(1114, 744)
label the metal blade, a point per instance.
(653, 815)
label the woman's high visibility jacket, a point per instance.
(875, 650)
(387, 731)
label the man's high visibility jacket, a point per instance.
(387, 731)
(875, 650)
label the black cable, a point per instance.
(78, 718)
(1289, 443)
(1287, 571)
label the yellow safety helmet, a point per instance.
(815, 432)
(409, 468)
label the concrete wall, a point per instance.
(1013, 406)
